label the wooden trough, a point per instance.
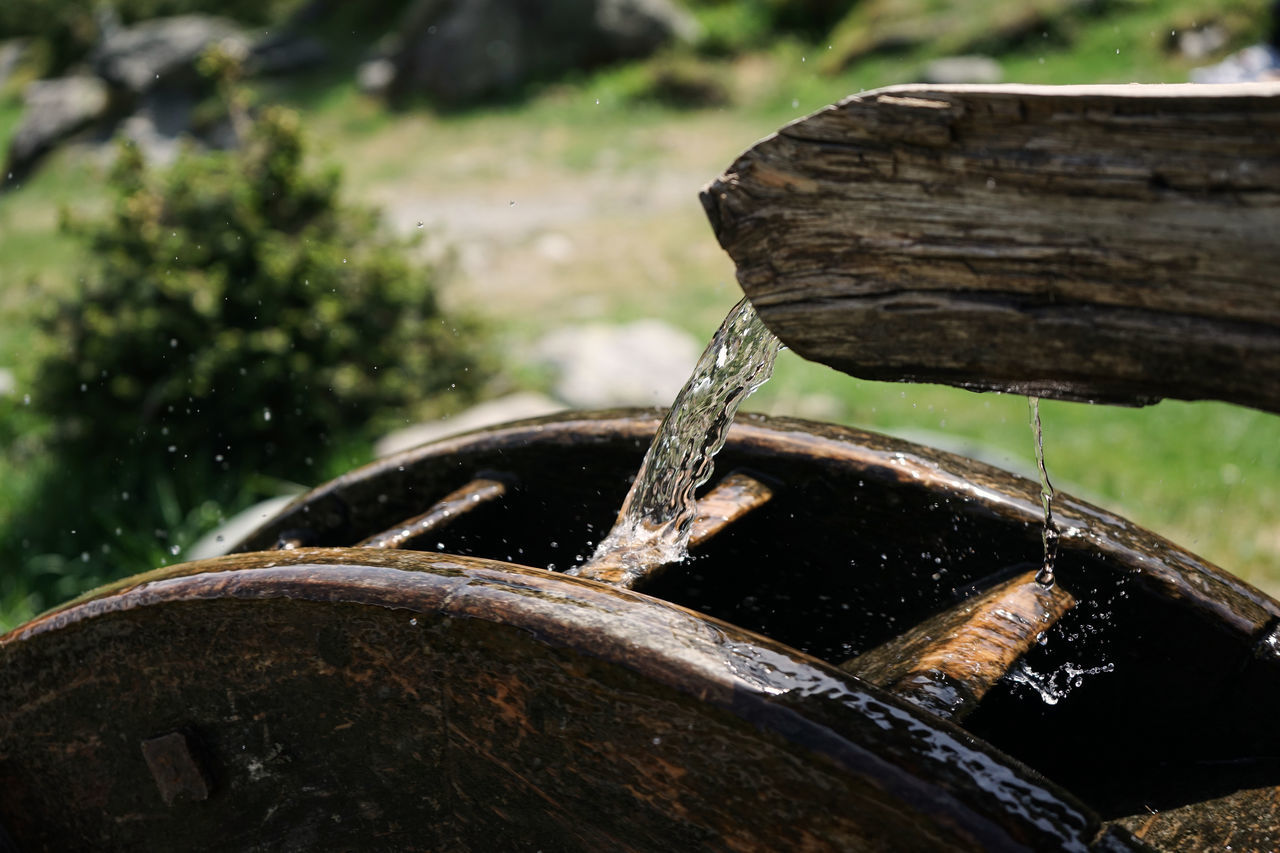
(859, 662)
(856, 658)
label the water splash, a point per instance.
(1049, 535)
(655, 521)
(1054, 686)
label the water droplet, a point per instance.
(266, 414)
(174, 549)
(419, 224)
(413, 620)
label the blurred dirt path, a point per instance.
(561, 224)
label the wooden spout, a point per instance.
(1102, 243)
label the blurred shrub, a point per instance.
(678, 80)
(730, 26)
(236, 321)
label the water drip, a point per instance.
(1049, 530)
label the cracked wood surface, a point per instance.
(1105, 243)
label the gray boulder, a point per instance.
(11, 56)
(54, 111)
(597, 365)
(963, 69)
(162, 50)
(460, 50)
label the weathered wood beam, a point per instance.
(946, 664)
(1105, 243)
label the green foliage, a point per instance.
(732, 26)
(676, 80)
(236, 321)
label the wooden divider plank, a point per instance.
(947, 663)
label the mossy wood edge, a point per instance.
(1102, 243)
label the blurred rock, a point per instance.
(513, 407)
(644, 363)
(460, 50)
(11, 54)
(158, 125)
(1200, 42)
(963, 69)
(375, 76)
(54, 110)
(1257, 63)
(284, 53)
(161, 50)
(555, 247)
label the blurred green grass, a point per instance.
(1206, 475)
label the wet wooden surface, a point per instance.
(380, 699)
(551, 452)
(1108, 243)
(868, 536)
(732, 498)
(452, 505)
(947, 663)
(1244, 821)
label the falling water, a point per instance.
(654, 523)
(1048, 530)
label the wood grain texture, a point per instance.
(1245, 820)
(946, 664)
(371, 699)
(1103, 243)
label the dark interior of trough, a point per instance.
(1145, 713)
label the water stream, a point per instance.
(654, 523)
(1048, 530)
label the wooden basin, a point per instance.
(855, 664)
